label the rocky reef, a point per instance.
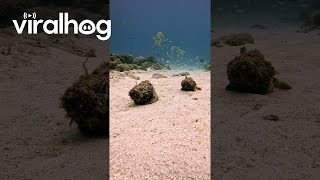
(126, 62)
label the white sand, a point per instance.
(245, 145)
(37, 142)
(167, 139)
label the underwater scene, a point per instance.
(160, 89)
(265, 60)
(176, 32)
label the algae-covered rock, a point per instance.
(123, 67)
(139, 60)
(87, 102)
(251, 73)
(126, 58)
(147, 64)
(151, 59)
(143, 93)
(142, 68)
(125, 62)
(188, 84)
(113, 63)
(156, 66)
(134, 66)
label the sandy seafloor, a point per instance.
(169, 139)
(37, 141)
(245, 146)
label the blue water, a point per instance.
(185, 23)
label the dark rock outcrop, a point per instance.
(87, 102)
(251, 73)
(143, 93)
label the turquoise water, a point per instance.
(185, 25)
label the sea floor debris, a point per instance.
(250, 72)
(188, 84)
(143, 93)
(87, 103)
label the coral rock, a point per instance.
(87, 102)
(188, 84)
(127, 62)
(123, 67)
(143, 93)
(251, 73)
(156, 66)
